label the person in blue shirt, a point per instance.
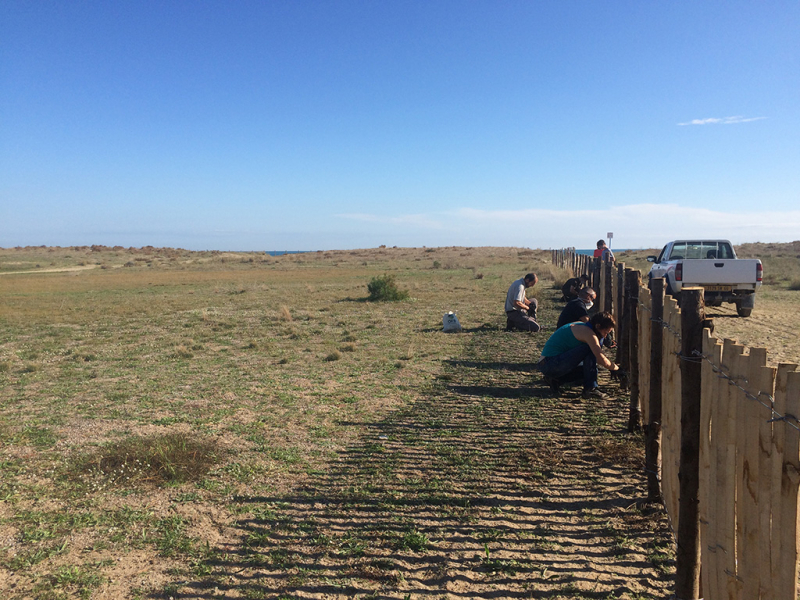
(573, 352)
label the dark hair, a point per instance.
(601, 320)
(585, 277)
(530, 277)
(601, 243)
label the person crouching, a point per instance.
(578, 308)
(521, 311)
(573, 352)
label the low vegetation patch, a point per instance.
(621, 449)
(335, 355)
(154, 460)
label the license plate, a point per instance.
(718, 288)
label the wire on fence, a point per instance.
(664, 324)
(776, 416)
(692, 359)
(699, 357)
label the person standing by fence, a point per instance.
(521, 311)
(573, 352)
(603, 252)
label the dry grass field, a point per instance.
(180, 424)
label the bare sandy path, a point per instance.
(60, 270)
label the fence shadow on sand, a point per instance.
(484, 487)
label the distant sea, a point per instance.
(590, 252)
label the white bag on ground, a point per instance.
(450, 323)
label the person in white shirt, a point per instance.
(520, 310)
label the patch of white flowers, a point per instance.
(124, 474)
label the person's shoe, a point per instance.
(509, 325)
(594, 393)
(552, 384)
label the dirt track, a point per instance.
(774, 325)
(60, 270)
(485, 487)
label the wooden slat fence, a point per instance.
(644, 352)
(748, 461)
(671, 410)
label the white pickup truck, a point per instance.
(711, 264)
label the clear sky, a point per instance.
(312, 124)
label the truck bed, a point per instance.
(738, 273)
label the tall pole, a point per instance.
(633, 281)
(687, 559)
(653, 428)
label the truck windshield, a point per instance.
(701, 249)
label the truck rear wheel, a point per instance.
(745, 306)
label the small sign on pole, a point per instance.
(610, 236)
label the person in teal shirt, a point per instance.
(573, 352)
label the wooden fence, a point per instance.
(722, 441)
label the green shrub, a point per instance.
(385, 288)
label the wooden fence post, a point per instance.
(608, 305)
(633, 280)
(653, 428)
(596, 277)
(687, 562)
(787, 449)
(600, 285)
(621, 316)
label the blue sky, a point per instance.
(310, 125)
